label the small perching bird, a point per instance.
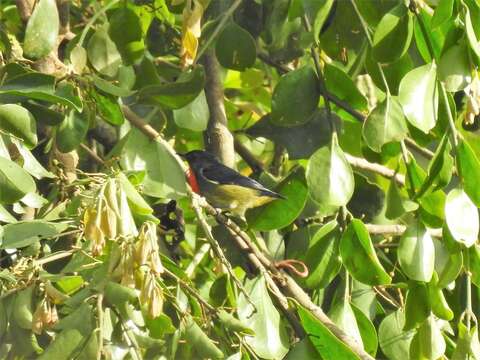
(224, 187)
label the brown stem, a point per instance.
(64, 15)
(24, 8)
(255, 164)
(218, 139)
(362, 164)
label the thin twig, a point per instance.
(92, 154)
(100, 325)
(362, 164)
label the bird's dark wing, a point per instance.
(224, 175)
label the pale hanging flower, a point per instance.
(146, 248)
(125, 269)
(45, 316)
(191, 31)
(151, 294)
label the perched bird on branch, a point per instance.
(224, 187)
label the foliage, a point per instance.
(363, 114)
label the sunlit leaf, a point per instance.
(462, 217)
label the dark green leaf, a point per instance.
(359, 257)
(300, 141)
(72, 131)
(42, 30)
(341, 85)
(471, 36)
(342, 315)
(474, 254)
(397, 205)
(278, 214)
(126, 32)
(322, 257)
(448, 263)
(367, 331)
(235, 48)
(108, 108)
(295, 97)
(110, 88)
(437, 300)
(178, 94)
(442, 13)
(43, 114)
(396, 27)
(417, 305)
(202, 344)
(394, 72)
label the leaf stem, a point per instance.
(468, 285)
(217, 30)
(321, 80)
(94, 18)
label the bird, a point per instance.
(223, 187)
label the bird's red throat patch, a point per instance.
(192, 181)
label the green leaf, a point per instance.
(396, 27)
(469, 169)
(397, 205)
(440, 169)
(322, 257)
(302, 349)
(428, 342)
(177, 94)
(160, 326)
(327, 344)
(117, 294)
(462, 217)
(295, 97)
(270, 340)
(474, 257)
(22, 312)
(435, 37)
(437, 300)
(384, 124)
(472, 38)
(108, 108)
(103, 54)
(42, 30)
(110, 88)
(24, 233)
(136, 202)
(126, 32)
(43, 114)
(278, 214)
(301, 141)
(359, 257)
(416, 253)
(235, 48)
(394, 72)
(78, 59)
(418, 96)
(232, 323)
(394, 341)
(329, 176)
(341, 85)
(15, 182)
(417, 305)
(454, 68)
(193, 116)
(30, 162)
(342, 315)
(64, 346)
(71, 131)
(141, 153)
(442, 13)
(367, 331)
(37, 86)
(448, 263)
(203, 345)
(19, 122)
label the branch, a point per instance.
(396, 230)
(255, 164)
(24, 8)
(218, 139)
(362, 164)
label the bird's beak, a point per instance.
(182, 155)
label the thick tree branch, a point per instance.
(24, 8)
(218, 139)
(362, 164)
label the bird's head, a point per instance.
(198, 159)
